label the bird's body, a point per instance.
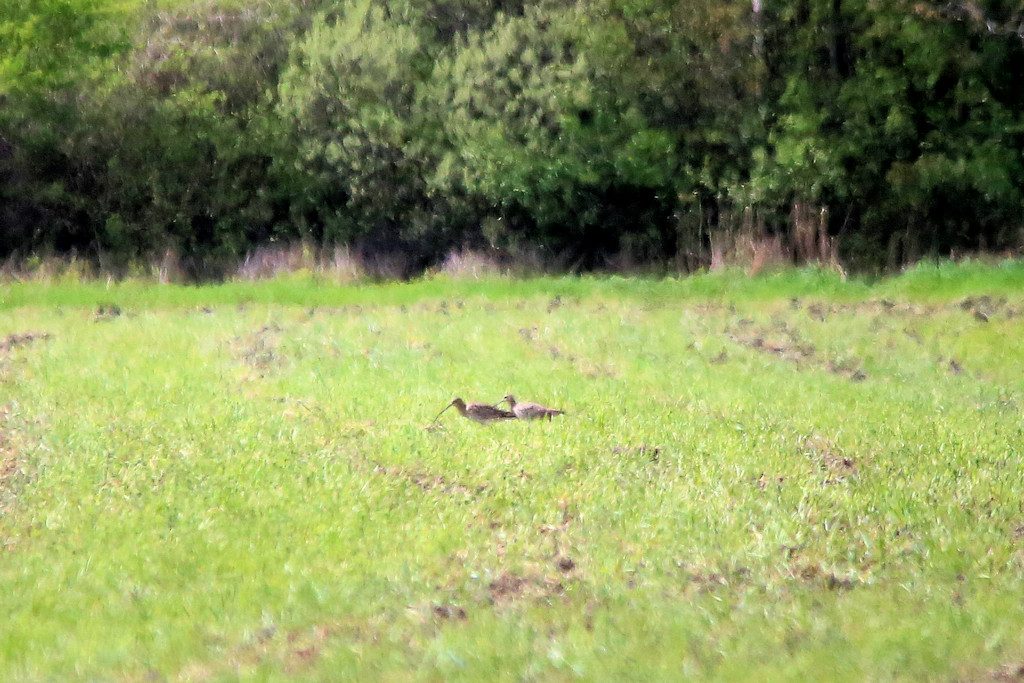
(531, 411)
(482, 412)
(479, 412)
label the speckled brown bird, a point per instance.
(531, 411)
(478, 412)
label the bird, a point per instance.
(478, 412)
(530, 411)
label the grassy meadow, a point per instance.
(787, 477)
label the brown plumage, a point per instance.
(531, 411)
(478, 412)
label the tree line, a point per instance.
(583, 133)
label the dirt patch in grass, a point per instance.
(304, 646)
(813, 574)
(566, 521)
(781, 341)
(1008, 672)
(785, 343)
(914, 336)
(510, 587)
(708, 579)
(431, 483)
(531, 336)
(14, 471)
(886, 308)
(296, 649)
(542, 578)
(8, 454)
(981, 308)
(764, 481)
(849, 368)
(645, 451)
(565, 564)
(13, 341)
(720, 358)
(593, 370)
(818, 312)
(260, 348)
(705, 308)
(984, 308)
(449, 612)
(829, 458)
(106, 313)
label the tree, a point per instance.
(542, 127)
(46, 48)
(901, 116)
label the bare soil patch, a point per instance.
(708, 579)
(983, 308)
(782, 341)
(785, 343)
(510, 587)
(449, 612)
(1008, 673)
(13, 469)
(8, 454)
(652, 453)
(764, 481)
(720, 358)
(13, 341)
(106, 313)
(565, 564)
(432, 483)
(260, 349)
(829, 457)
(297, 649)
(584, 366)
(813, 573)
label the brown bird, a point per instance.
(478, 412)
(531, 411)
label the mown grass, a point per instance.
(229, 483)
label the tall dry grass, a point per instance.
(339, 264)
(744, 241)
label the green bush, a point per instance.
(542, 124)
(349, 98)
(904, 115)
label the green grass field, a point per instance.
(781, 478)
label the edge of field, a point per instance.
(925, 281)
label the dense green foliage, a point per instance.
(650, 129)
(193, 489)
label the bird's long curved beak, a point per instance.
(442, 412)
